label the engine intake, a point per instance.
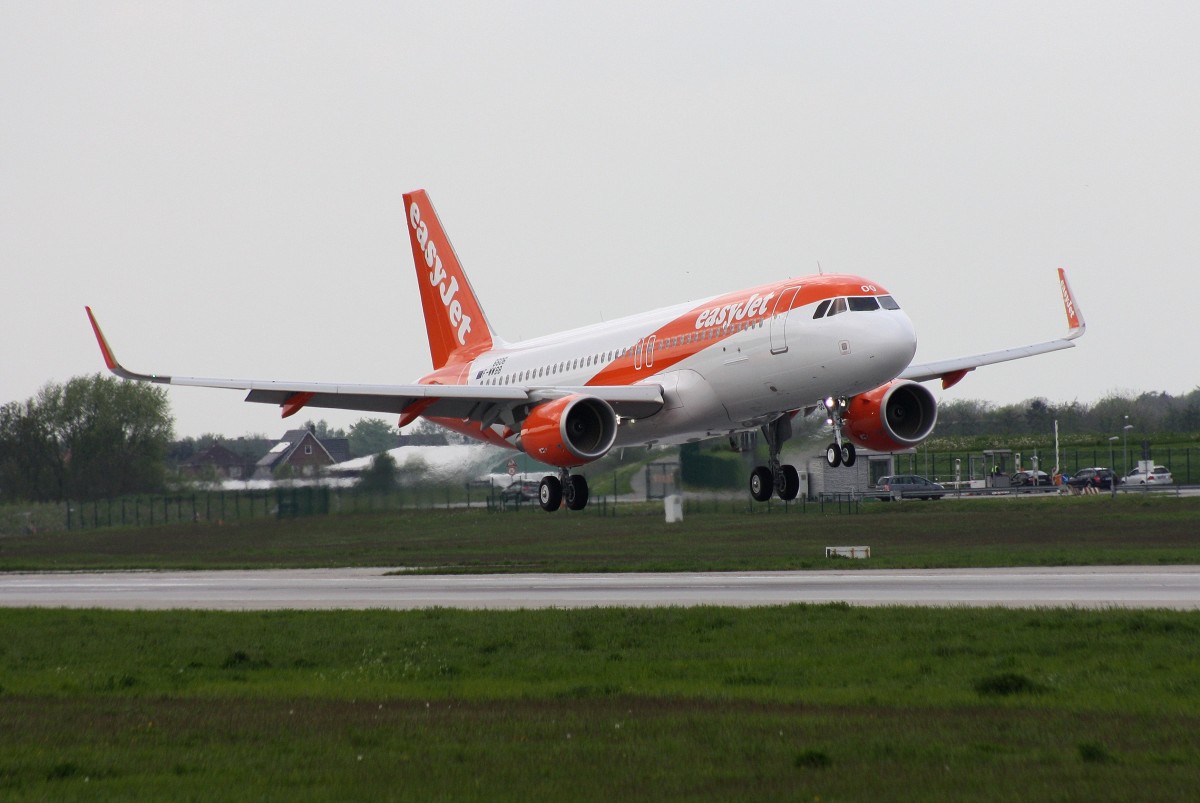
(570, 431)
(895, 416)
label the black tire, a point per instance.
(791, 484)
(762, 485)
(849, 454)
(576, 492)
(550, 494)
(833, 455)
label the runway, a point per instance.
(323, 589)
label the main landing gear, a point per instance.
(572, 488)
(774, 477)
(840, 452)
(784, 480)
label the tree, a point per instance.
(380, 478)
(31, 464)
(1039, 416)
(963, 417)
(92, 437)
(371, 436)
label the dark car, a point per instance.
(1024, 479)
(1100, 478)
(910, 485)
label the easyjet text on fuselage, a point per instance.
(753, 307)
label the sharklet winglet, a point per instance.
(110, 358)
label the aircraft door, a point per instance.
(643, 353)
(779, 320)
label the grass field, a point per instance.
(801, 702)
(826, 702)
(1001, 532)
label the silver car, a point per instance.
(910, 486)
(1158, 475)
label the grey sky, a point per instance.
(222, 181)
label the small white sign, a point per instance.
(857, 552)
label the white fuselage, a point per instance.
(717, 378)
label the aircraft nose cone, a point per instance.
(896, 341)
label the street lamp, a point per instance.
(1125, 449)
(1111, 441)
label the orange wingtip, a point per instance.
(1074, 316)
(110, 359)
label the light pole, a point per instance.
(1111, 441)
(1125, 449)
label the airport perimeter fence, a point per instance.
(221, 507)
(1183, 462)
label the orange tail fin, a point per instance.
(454, 319)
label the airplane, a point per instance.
(749, 360)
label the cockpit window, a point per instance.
(820, 313)
(863, 303)
(887, 302)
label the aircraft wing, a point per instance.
(953, 370)
(486, 404)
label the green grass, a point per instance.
(707, 703)
(1001, 532)
(815, 702)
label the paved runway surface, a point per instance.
(1123, 586)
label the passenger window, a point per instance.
(820, 313)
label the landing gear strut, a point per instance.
(774, 477)
(841, 452)
(572, 488)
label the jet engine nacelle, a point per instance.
(895, 416)
(570, 431)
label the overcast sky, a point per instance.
(222, 181)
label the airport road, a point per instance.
(1088, 587)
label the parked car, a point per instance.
(1029, 478)
(1158, 475)
(910, 485)
(521, 491)
(1102, 478)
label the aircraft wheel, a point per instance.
(791, 484)
(833, 455)
(550, 494)
(761, 484)
(576, 492)
(849, 455)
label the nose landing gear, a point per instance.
(841, 452)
